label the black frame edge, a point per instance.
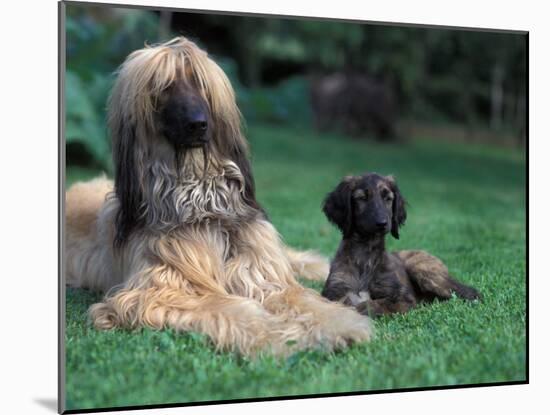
(292, 397)
(61, 61)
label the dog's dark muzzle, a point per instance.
(185, 127)
(374, 222)
(382, 226)
(195, 133)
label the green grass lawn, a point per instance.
(466, 205)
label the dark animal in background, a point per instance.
(356, 104)
(363, 274)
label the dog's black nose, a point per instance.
(382, 224)
(185, 122)
(196, 121)
(197, 127)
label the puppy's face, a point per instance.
(366, 205)
(372, 200)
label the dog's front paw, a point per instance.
(103, 317)
(352, 327)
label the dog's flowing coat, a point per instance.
(181, 242)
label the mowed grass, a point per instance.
(466, 205)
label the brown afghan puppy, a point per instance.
(181, 242)
(363, 274)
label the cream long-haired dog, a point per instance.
(180, 241)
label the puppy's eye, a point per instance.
(387, 196)
(360, 194)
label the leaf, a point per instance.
(84, 125)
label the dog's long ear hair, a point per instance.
(127, 184)
(127, 126)
(399, 213)
(338, 205)
(228, 136)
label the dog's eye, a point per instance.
(360, 194)
(387, 196)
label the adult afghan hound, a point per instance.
(181, 242)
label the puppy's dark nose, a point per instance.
(382, 224)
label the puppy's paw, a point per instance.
(369, 308)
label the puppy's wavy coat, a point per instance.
(363, 274)
(182, 242)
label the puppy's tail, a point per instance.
(432, 278)
(308, 264)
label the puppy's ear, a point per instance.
(127, 183)
(338, 205)
(399, 213)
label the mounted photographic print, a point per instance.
(258, 207)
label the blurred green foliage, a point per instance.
(287, 102)
(441, 74)
(84, 124)
(475, 79)
(98, 39)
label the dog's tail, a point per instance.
(308, 264)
